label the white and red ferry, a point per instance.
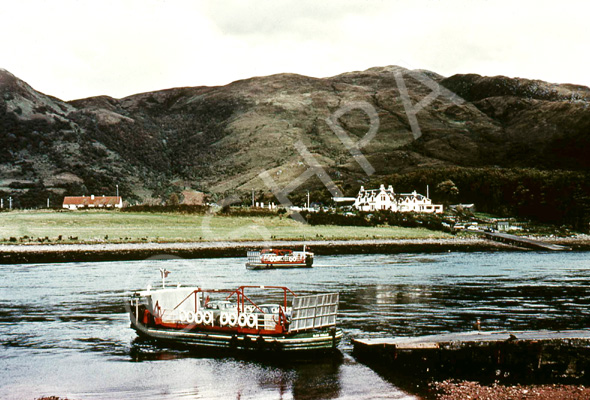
(231, 320)
(279, 258)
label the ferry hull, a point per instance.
(279, 258)
(251, 265)
(324, 340)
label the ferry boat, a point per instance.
(279, 258)
(231, 320)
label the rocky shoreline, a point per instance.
(461, 390)
(464, 390)
(48, 253)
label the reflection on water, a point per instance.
(64, 329)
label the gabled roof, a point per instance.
(85, 201)
(410, 195)
(376, 191)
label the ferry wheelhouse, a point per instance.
(232, 320)
(279, 258)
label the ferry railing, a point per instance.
(308, 312)
(241, 300)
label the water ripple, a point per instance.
(68, 324)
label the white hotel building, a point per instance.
(387, 199)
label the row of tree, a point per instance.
(555, 197)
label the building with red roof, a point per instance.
(76, 202)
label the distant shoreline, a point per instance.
(55, 253)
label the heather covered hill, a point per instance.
(545, 125)
(218, 139)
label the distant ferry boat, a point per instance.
(279, 258)
(231, 320)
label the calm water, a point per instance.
(64, 329)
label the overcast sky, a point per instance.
(80, 48)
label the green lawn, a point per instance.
(164, 227)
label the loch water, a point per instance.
(64, 328)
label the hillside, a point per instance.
(218, 139)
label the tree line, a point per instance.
(555, 197)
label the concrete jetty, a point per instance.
(524, 242)
(523, 356)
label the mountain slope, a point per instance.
(219, 139)
(545, 125)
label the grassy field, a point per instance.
(112, 226)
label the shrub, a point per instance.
(323, 218)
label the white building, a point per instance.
(387, 199)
